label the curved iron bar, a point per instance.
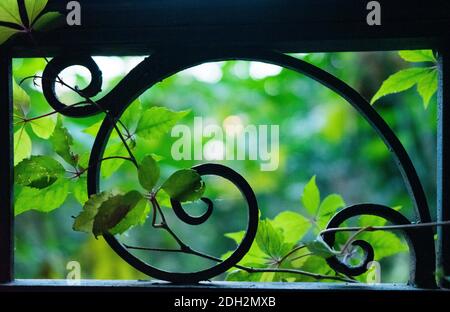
(163, 64)
(192, 220)
(50, 79)
(221, 267)
(412, 236)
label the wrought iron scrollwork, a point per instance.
(163, 64)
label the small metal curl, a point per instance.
(413, 237)
(50, 79)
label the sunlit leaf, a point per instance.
(416, 56)
(43, 200)
(79, 189)
(400, 81)
(270, 240)
(34, 8)
(9, 12)
(38, 171)
(427, 86)
(293, 225)
(21, 102)
(311, 197)
(43, 127)
(157, 121)
(6, 33)
(22, 145)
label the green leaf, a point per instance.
(311, 197)
(132, 114)
(416, 56)
(163, 199)
(385, 244)
(9, 12)
(21, 101)
(49, 21)
(34, 8)
(427, 86)
(22, 145)
(79, 189)
(293, 225)
(43, 127)
(157, 121)
(85, 220)
(38, 172)
(137, 216)
(116, 209)
(184, 185)
(110, 166)
(6, 33)
(62, 142)
(43, 200)
(328, 207)
(148, 173)
(400, 81)
(270, 240)
(321, 249)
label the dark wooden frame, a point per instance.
(282, 25)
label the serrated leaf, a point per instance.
(427, 86)
(85, 220)
(62, 142)
(311, 197)
(43, 200)
(400, 81)
(38, 172)
(34, 8)
(43, 127)
(416, 56)
(148, 173)
(22, 145)
(157, 121)
(184, 185)
(49, 21)
(293, 225)
(116, 209)
(9, 12)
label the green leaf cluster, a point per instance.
(37, 20)
(425, 78)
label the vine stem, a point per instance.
(250, 269)
(79, 173)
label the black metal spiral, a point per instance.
(163, 64)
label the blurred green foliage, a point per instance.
(321, 136)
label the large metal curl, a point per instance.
(50, 79)
(412, 237)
